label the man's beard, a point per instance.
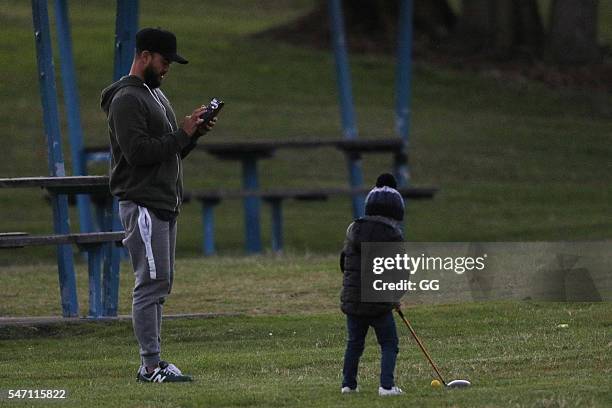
(151, 78)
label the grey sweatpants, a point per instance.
(151, 243)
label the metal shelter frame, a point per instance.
(402, 99)
(126, 26)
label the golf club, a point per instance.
(451, 384)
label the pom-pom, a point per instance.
(386, 179)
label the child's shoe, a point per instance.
(383, 392)
(349, 390)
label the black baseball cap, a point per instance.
(161, 41)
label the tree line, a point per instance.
(495, 28)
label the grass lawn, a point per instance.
(514, 354)
(253, 285)
(285, 347)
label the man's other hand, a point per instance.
(192, 122)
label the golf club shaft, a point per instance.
(399, 312)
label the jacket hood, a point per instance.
(392, 222)
(109, 92)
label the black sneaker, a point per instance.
(165, 372)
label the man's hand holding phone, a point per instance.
(206, 127)
(209, 115)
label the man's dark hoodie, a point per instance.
(147, 146)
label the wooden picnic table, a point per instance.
(61, 185)
(103, 291)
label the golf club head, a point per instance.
(458, 384)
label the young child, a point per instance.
(384, 208)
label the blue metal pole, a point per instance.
(126, 26)
(251, 205)
(48, 96)
(111, 261)
(277, 224)
(94, 256)
(71, 99)
(345, 95)
(208, 220)
(403, 86)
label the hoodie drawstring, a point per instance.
(178, 159)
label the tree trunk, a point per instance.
(505, 27)
(370, 25)
(377, 19)
(530, 27)
(477, 20)
(573, 32)
(500, 28)
(434, 19)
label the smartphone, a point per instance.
(214, 107)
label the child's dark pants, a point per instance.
(386, 334)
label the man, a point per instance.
(146, 175)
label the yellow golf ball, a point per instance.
(435, 383)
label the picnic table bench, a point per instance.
(23, 239)
(248, 153)
(275, 197)
(267, 148)
(93, 243)
(61, 185)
